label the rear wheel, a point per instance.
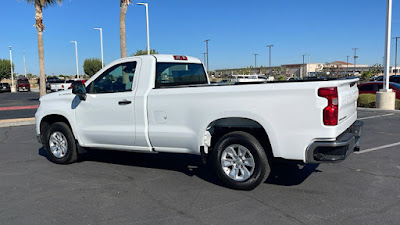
(60, 144)
(240, 161)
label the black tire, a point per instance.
(71, 154)
(261, 168)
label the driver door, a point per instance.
(107, 117)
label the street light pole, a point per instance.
(395, 61)
(147, 24)
(204, 55)
(347, 70)
(101, 45)
(385, 98)
(76, 58)
(12, 72)
(24, 64)
(207, 52)
(355, 60)
(255, 61)
(270, 68)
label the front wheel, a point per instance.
(240, 161)
(60, 144)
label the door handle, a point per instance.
(124, 102)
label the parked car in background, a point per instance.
(76, 82)
(394, 78)
(63, 85)
(52, 80)
(373, 87)
(23, 84)
(5, 87)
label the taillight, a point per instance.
(331, 111)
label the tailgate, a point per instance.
(348, 95)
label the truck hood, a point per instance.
(67, 94)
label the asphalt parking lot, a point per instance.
(130, 188)
(9, 103)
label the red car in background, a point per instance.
(77, 81)
(23, 84)
(373, 87)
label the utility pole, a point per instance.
(395, 61)
(207, 52)
(270, 68)
(304, 67)
(355, 60)
(347, 69)
(255, 62)
(204, 55)
(24, 64)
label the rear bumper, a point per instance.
(338, 150)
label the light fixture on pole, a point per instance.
(270, 68)
(76, 56)
(101, 45)
(355, 60)
(147, 24)
(206, 41)
(12, 72)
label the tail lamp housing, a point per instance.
(330, 112)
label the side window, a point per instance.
(367, 87)
(118, 78)
(378, 87)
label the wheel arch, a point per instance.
(221, 126)
(46, 122)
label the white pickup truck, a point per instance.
(61, 86)
(165, 103)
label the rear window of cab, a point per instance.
(179, 74)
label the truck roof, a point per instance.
(165, 58)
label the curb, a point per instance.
(17, 122)
(377, 110)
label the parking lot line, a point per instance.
(378, 148)
(371, 117)
(17, 122)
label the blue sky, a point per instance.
(326, 30)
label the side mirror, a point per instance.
(80, 90)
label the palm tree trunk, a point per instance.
(122, 30)
(40, 28)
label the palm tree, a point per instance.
(39, 5)
(122, 30)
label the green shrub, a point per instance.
(280, 77)
(366, 100)
(397, 104)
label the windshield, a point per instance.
(179, 74)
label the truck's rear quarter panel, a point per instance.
(291, 113)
